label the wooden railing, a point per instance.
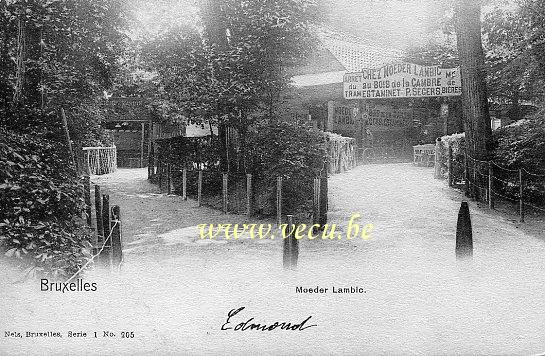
(100, 160)
(341, 152)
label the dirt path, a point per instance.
(155, 223)
(175, 291)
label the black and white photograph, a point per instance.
(272, 177)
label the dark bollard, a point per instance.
(287, 244)
(105, 256)
(117, 250)
(87, 197)
(316, 205)
(464, 234)
(323, 201)
(98, 211)
(294, 248)
(291, 246)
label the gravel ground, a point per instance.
(174, 290)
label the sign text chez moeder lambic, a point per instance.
(402, 80)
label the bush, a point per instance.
(289, 150)
(522, 144)
(40, 206)
(457, 143)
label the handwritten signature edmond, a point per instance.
(250, 325)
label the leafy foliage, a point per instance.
(288, 150)
(239, 80)
(53, 54)
(40, 205)
(522, 144)
(68, 58)
(514, 36)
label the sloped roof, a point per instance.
(352, 53)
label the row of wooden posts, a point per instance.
(290, 244)
(108, 247)
(489, 191)
(319, 217)
(319, 198)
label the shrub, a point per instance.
(289, 150)
(457, 143)
(40, 206)
(522, 144)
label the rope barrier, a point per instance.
(505, 169)
(505, 197)
(504, 181)
(533, 206)
(533, 174)
(96, 255)
(475, 168)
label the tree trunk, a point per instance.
(216, 34)
(474, 94)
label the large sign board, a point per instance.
(381, 117)
(346, 119)
(402, 80)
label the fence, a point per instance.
(106, 222)
(238, 193)
(341, 152)
(501, 187)
(100, 160)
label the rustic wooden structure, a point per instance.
(341, 153)
(100, 160)
(424, 154)
(108, 246)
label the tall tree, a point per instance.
(514, 37)
(64, 54)
(233, 73)
(467, 19)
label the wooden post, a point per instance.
(225, 192)
(323, 201)
(249, 197)
(87, 197)
(449, 166)
(474, 192)
(521, 202)
(169, 179)
(294, 244)
(466, 174)
(288, 246)
(67, 136)
(87, 155)
(437, 174)
(106, 216)
(150, 150)
(142, 143)
(444, 114)
(106, 221)
(159, 173)
(98, 212)
(117, 251)
(316, 203)
(490, 186)
(199, 189)
(279, 200)
(171, 185)
(184, 184)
